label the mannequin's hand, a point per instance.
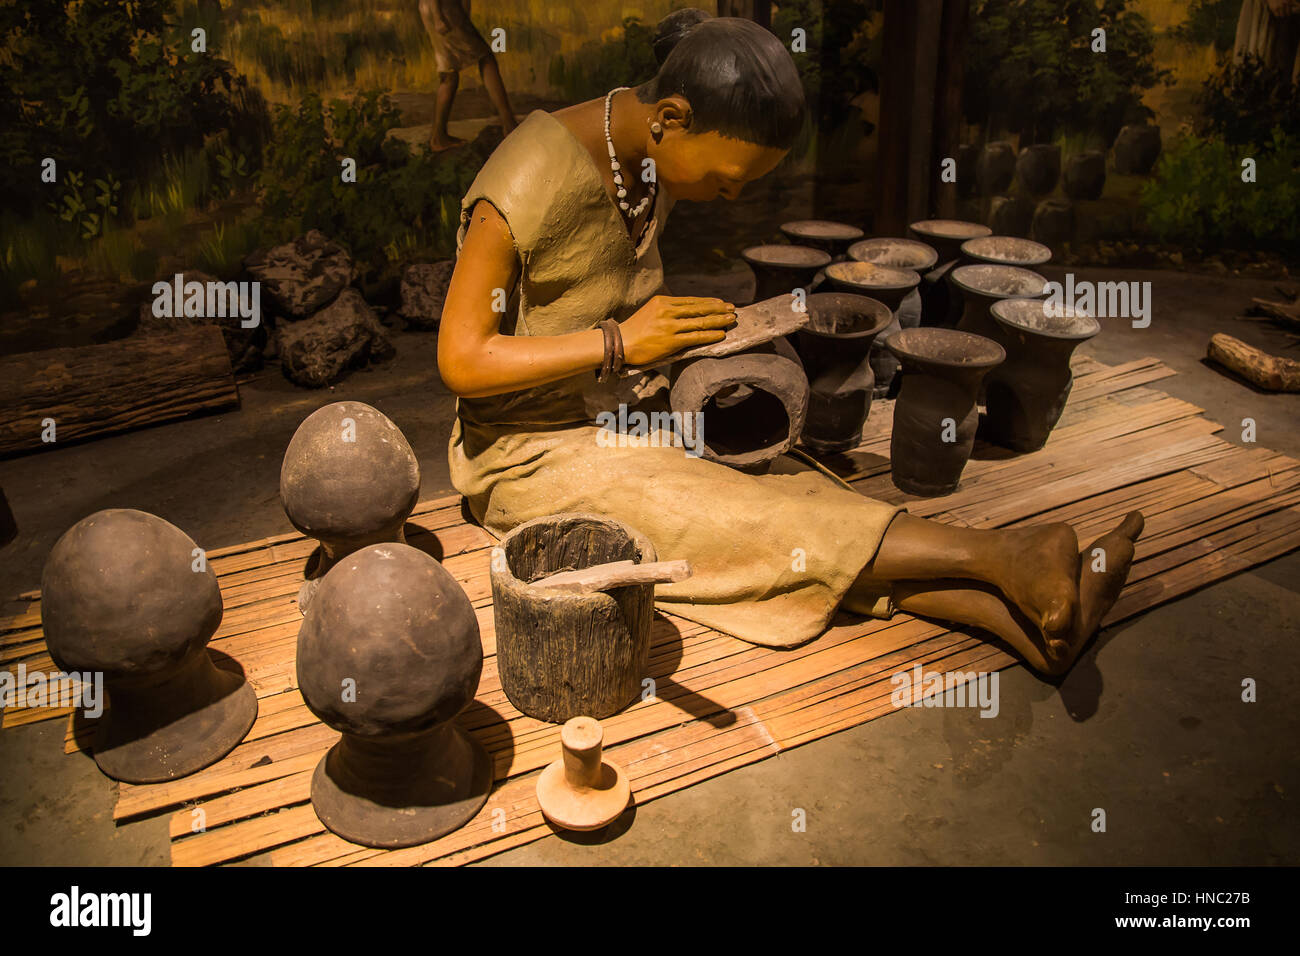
(667, 324)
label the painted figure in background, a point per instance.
(458, 46)
(559, 233)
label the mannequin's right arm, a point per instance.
(475, 360)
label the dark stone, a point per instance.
(245, 345)
(1054, 222)
(1136, 149)
(120, 596)
(388, 654)
(935, 415)
(1011, 216)
(1027, 393)
(1038, 168)
(836, 350)
(316, 352)
(424, 289)
(1085, 175)
(996, 168)
(303, 276)
(349, 479)
(560, 654)
(780, 269)
(746, 433)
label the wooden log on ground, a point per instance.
(1271, 372)
(1288, 313)
(100, 389)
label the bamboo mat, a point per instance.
(1212, 509)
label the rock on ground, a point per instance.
(424, 289)
(319, 350)
(303, 276)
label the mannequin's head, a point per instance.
(729, 105)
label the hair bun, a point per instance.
(673, 27)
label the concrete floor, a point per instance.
(1148, 726)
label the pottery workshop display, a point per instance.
(981, 285)
(833, 238)
(388, 655)
(1006, 251)
(935, 415)
(128, 595)
(899, 254)
(780, 269)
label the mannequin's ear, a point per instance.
(674, 113)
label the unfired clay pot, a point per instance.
(1027, 393)
(1006, 251)
(562, 655)
(901, 254)
(349, 479)
(833, 238)
(835, 347)
(388, 655)
(779, 270)
(752, 405)
(120, 595)
(941, 303)
(935, 416)
(893, 286)
(982, 285)
(945, 236)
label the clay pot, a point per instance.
(752, 404)
(1085, 175)
(945, 236)
(388, 655)
(1136, 149)
(778, 270)
(1053, 222)
(1038, 168)
(120, 596)
(1011, 215)
(833, 238)
(563, 655)
(935, 415)
(902, 254)
(349, 479)
(996, 168)
(899, 253)
(892, 287)
(1026, 394)
(580, 791)
(836, 347)
(1006, 251)
(982, 285)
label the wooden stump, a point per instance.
(1270, 372)
(563, 655)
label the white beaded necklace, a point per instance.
(623, 204)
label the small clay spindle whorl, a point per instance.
(120, 595)
(349, 479)
(580, 791)
(388, 655)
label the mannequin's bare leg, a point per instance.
(1036, 568)
(496, 91)
(969, 603)
(448, 83)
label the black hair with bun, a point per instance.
(740, 80)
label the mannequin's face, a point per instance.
(704, 166)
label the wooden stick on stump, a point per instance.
(616, 574)
(100, 389)
(1271, 372)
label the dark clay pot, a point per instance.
(982, 285)
(941, 305)
(778, 270)
(120, 596)
(893, 287)
(1085, 175)
(389, 622)
(899, 253)
(1006, 251)
(833, 238)
(945, 236)
(935, 416)
(752, 405)
(1026, 394)
(836, 347)
(1038, 168)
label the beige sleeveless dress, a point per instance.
(774, 555)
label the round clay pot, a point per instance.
(889, 285)
(778, 270)
(349, 479)
(899, 253)
(562, 655)
(1085, 175)
(1006, 251)
(1038, 168)
(935, 415)
(982, 285)
(752, 405)
(833, 238)
(947, 235)
(996, 168)
(1026, 394)
(836, 346)
(120, 596)
(388, 655)
(1136, 149)
(1053, 222)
